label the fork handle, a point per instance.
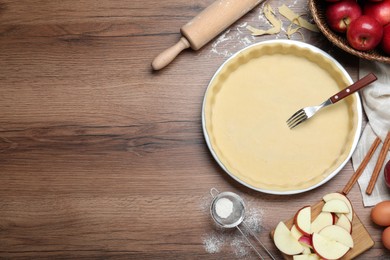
(361, 83)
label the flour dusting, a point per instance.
(231, 41)
(237, 36)
(214, 241)
(254, 218)
(240, 247)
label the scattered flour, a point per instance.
(240, 247)
(237, 37)
(253, 219)
(214, 241)
(232, 40)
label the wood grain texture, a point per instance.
(100, 157)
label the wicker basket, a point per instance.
(317, 8)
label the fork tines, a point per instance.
(297, 118)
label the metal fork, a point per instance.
(307, 112)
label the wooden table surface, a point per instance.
(100, 157)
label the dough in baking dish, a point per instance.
(248, 103)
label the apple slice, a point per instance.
(322, 220)
(302, 220)
(306, 241)
(327, 248)
(344, 222)
(306, 257)
(306, 250)
(295, 232)
(336, 195)
(334, 215)
(337, 234)
(285, 241)
(335, 206)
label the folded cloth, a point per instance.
(376, 104)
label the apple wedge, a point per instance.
(306, 241)
(344, 222)
(306, 250)
(339, 196)
(285, 241)
(302, 220)
(306, 257)
(335, 206)
(295, 232)
(322, 220)
(327, 248)
(337, 234)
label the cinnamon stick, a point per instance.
(361, 167)
(379, 164)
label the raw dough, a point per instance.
(247, 106)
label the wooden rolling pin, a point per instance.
(205, 26)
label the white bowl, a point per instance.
(246, 133)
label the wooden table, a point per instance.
(101, 157)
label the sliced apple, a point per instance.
(327, 248)
(344, 222)
(306, 250)
(334, 215)
(302, 220)
(306, 241)
(322, 220)
(339, 196)
(285, 241)
(306, 257)
(335, 206)
(337, 234)
(295, 232)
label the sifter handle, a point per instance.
(164, 58)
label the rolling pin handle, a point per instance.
(164, 58)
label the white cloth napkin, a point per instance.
(376, 104)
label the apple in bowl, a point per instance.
(339, 15)
(386, 47)
(364, 33)
(380, 10)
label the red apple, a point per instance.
(365, 33)
(339, 15)
(386, 48)
(379, 10)
(387, 166)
